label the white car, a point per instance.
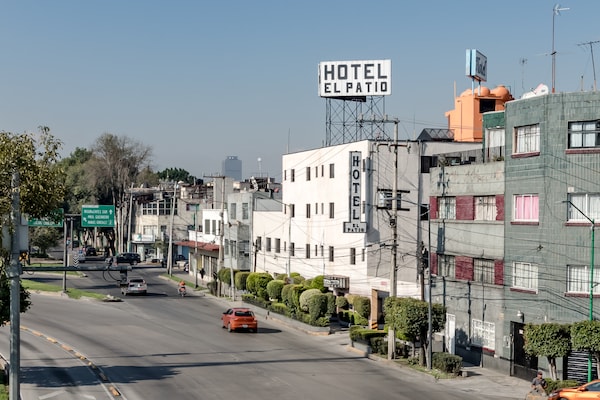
(134, 285)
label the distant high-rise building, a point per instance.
(232, 167)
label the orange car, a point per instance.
(590, 390)
(239, 318)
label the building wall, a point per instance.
(469, 302)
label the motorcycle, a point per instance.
(182, 291)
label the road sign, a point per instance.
(48, 221)
(97, 216)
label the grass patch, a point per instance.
(71, 292)
(437, 374)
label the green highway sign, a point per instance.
(97, 216)
(48, 222)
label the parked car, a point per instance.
(586, 391)
(239, 318)
(135, 285)
(91, 251)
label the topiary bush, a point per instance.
(225, 275)
(262, 279)
(305, 297)
(240, 279)
(330, 303)
(296, 278)
(350, 297)
(274, 289)
(362, 306)
(317, 306)
(446, 362)
(342, 303)
(317, 283)
(251, 282)
(286, 295)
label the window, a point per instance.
(484, 334)
(526, 207)
(483, 270)
(316, 172)
(322, 251)
(214, 227)
(226, 247)
(331, 210)
(316, 208)
(292, 249)
(588, 203)
(331, 170)
(308, 173)
(447, 208)
(285, 174)
(331, 253)
(485, 208)
(232, 210)
(322, 170)
(584, 134)
(259, 243)
(244, 210)
(525, 276)
(292, 210)
(352, 256)
(292, 175)
(578, 280)
(446, 266)
(277, 245)
(307, 250)
(207, 226)
(362, 257)
(308, 211)
(268, 244)
(527, 139)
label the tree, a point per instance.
(585, 335)
(44, 238)
(41, 188)
(176, 175)
(410, 320)
(114, 167)
(549, 340)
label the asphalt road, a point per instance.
(163, 346)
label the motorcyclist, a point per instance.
(182, 288)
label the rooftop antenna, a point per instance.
(592, 51)
(522, 61)
(555, 11)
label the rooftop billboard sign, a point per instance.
(355, 78)
(476, 65)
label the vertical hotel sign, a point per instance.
(355, 225)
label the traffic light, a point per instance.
(24, 257)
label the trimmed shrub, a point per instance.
(353, 318)
(362, 306)
(317, 283)
(330, 303)
(286, 295)
(279, 308)
(274, 289)
(262, 280)
(341, 302)
(350, 298)
(251, 282)
(296, 278)
(240, 279)
(225, 275)
(317, 306)
(305, 297)
(553, 385)
(294, 296)
(446, 362)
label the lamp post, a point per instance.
(170, 249)
(591, 307)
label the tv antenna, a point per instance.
(591, 44)
(522, 61)
(555, 11)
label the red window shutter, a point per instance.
(464, 268)
(500, 207)
(465, 208)
(499, 272)
(433, 207)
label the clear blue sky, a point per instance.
(200, 80)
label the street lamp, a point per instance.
(591, 307)
(170, 249)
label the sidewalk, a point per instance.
(487, 382)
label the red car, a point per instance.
(239, 318)
(590, 390)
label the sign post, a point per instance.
(97, 216)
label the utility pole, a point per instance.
(394, 226)
(592, 51)
(14, 274)
(222, 229)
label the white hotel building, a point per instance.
(336, 217)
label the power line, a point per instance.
(592, 52)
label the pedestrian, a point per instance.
(539, 384)
(202, 273)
